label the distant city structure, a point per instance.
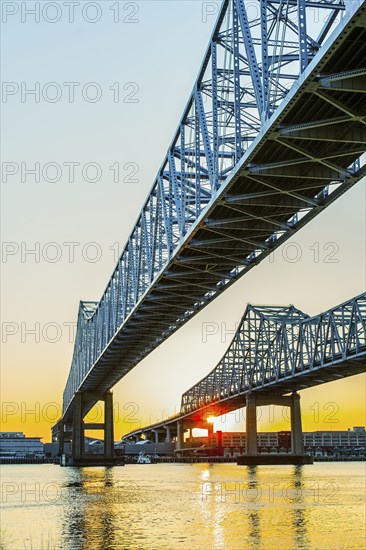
(231, 444)
(17, 445)
(337, 444)
(319, 443)
(324, 443)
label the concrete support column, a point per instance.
(180, 436)
(108, 426)
(251, 425)
(156, 437)
(168, 435)
(190, 435)
(77, 427)
(61, 438)
(297, 443)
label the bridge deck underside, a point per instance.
(285, 386)
(312, 141)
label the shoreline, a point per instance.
(170, 460)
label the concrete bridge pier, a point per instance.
(297, 455)
(78, 441)
(251, 425)
(168, 434)
(60, 438)
(297, 443)
(158, 435)
(180, 437)
(181, 427)
(108, 426)
(79, 456)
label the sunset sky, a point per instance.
(76, 228)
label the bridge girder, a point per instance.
(260, 111)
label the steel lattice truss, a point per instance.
(273, 344)
(269, 77)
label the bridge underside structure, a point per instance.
(275, 352)
(272, 134)
(280, 350)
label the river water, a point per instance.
(187, 506)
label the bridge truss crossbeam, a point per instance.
(274, 345)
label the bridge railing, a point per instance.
(255, 55)
(276, 343)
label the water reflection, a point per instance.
(299, 513)
(254, 517)
(254, 533)
(254, 503)
(89, 519)
(171, 506)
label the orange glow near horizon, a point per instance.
(334, 406)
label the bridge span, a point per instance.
(275, 352)
(273, 132)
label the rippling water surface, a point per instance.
(188, 506)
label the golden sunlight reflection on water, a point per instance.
(188, 506)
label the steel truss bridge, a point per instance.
(278, 350)
(272, 133)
